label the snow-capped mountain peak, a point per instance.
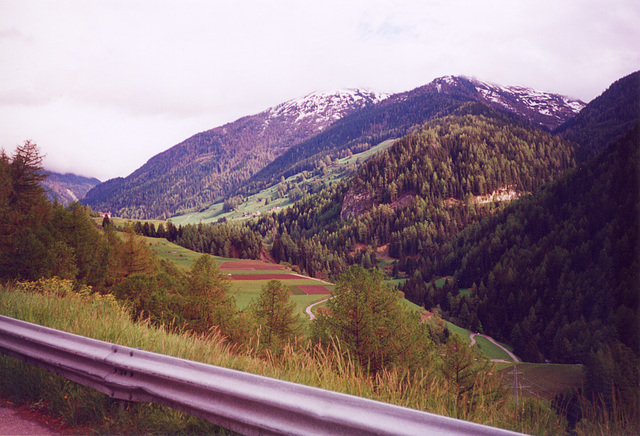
(544, 108)
(324, 108)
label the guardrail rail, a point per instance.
(242, 402)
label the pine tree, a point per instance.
(367, 317)
(274, 313)
(211, 304)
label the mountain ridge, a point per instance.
(392, 118)
(201, 169)
(257, 150)
(607, 118)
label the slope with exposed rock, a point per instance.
(67, 188)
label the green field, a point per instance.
(181, 256)
(440, 282)
(490, 350)
(244, 291)
(464, 333)
(465, 292)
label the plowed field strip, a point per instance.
(263, 277)
(314, 289)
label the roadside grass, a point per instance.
(101, 317)
(486, 348)
(304, 301)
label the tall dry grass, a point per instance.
(330, 368)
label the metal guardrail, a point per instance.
(242, 402)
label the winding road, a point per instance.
(308, 309)
(490, 339)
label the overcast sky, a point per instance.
(102, 86)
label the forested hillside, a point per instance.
(305, 134)
(533, 249)
(397, 115)
(417, 194)
(557, 274)
(61, 249)
(55, 260)
(605, 119)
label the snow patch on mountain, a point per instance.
(324, 108)
(544, 108)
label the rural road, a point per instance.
(490, 339)
(308, 309)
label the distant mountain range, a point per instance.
(67, 188)
(256, 151)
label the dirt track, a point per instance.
(490, 339)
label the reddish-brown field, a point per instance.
(263, 277)
(250, 265)
(313, 289)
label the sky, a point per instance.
(103, 86)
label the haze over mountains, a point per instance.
(256, 151)
(67, 188)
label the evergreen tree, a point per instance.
(274, 313)
(210, 302)
(368, 318)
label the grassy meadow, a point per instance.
(244, 291)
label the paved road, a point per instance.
(308, 310)
(12, 423)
